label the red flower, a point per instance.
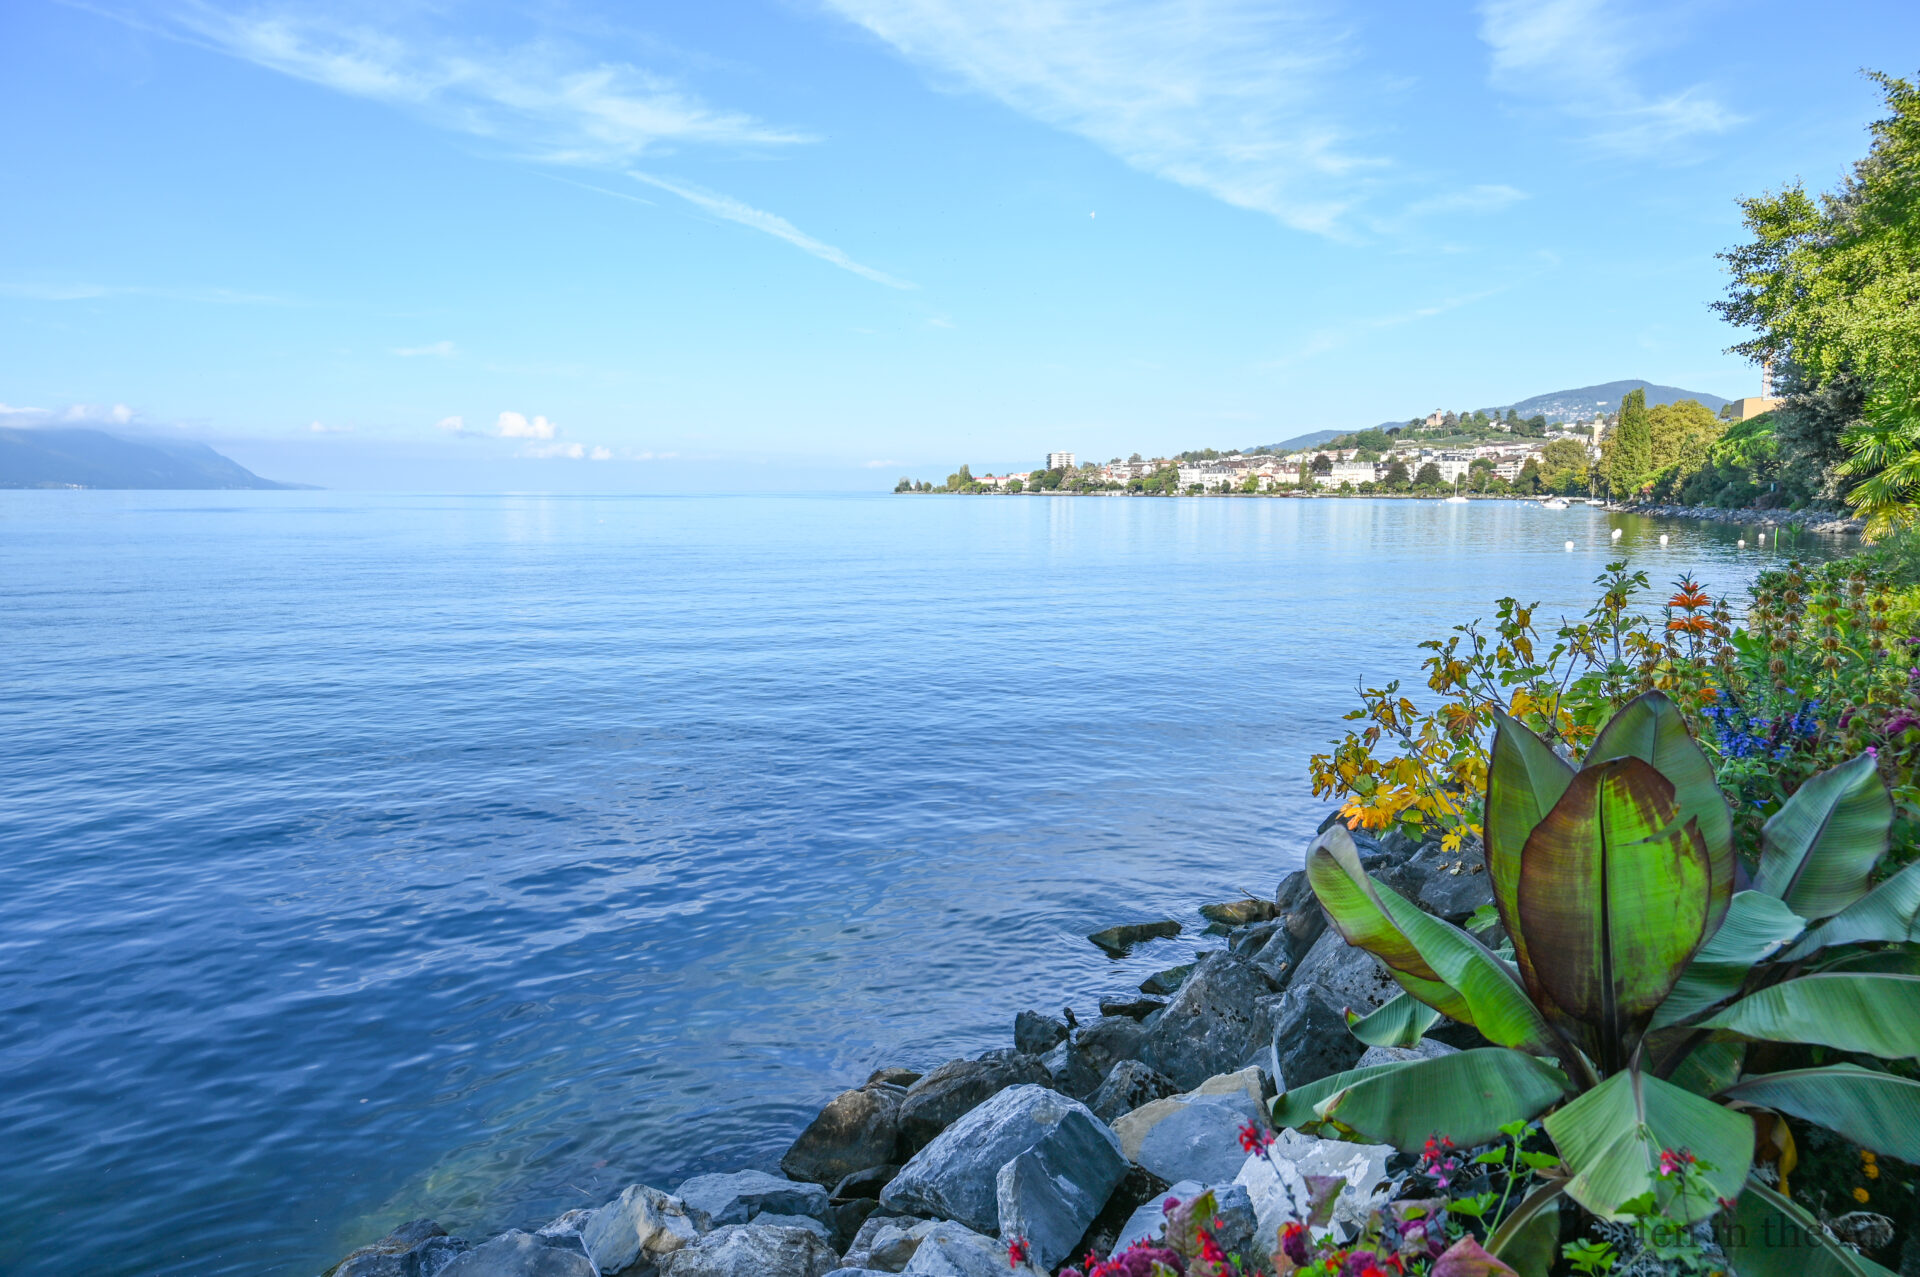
(1254, 1139)
(1018, 1252)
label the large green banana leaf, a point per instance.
(1529, 1237)
(1875, 1110)
(1890, 912)
(1400, 1021)
(1757, 927)
(1651, 728)
(1617, 892)
(1524, 780)
(1771, 1236)
(1710, 1067)
(1354, 905)
(1818, 851)
(1611, 1139)
(1876, 1013)
(1297, 1107)
(1466, 1097)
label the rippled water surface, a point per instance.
(374, 857)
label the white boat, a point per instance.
(1456, 498)
(1553, 503)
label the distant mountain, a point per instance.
(1307, 440)
(63, 458)
(1583, 403)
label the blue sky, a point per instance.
(822, 243)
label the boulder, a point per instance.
(420, 1248)
(957, 1176)
(641, 1224)
(738, 1197)
(1347, 976)
(956, 1087)
(1213, 1025)
(1424, 1049)
(859, 1253)
(767, 1219)
(1310, 1038)
(1250, 939)
(752, 1250)
(1109, 1040)
(1165, 982)
(1045, 1201)
(948, 1250)
(1195, 1136)
(856, 1129)
(1132, 1008)
(1454, 889)
(1118, 941)
(1037, 1034)
(1235, 1221)
(865, 1183)
(1235, 913)
(1126, 1088)
(1280, 1189)
(518, 1254)
(1070, 1071)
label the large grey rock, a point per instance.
(1310, 1038)
(936, 1100)
(1213, 1025)
(752, 1250)
(1348, 977)
(767, 1219)
(1042, 1198)
(518, 1254)
(856, 1129)
(1037, 1034)
(1455, 888)
(1109, 1040)
(1248, 940)
(1117, 941)
(1070, 1072)
(1132, 1008)
(1195, 1136)
(638, 1226)
(420, 1248)
(859, 1253)
(736, 1198)
(947, 1249)
(1235, 913)
(1278, 1184)
(1126, 1088)
(1234, 1225)
(865, 1183)
(1164, 982)
(956, 1176)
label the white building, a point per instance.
(1354, 472)
(1061, 461)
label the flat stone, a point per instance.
(1425, 1049)
(640, 1225)
(956, 1176)
(736, 1198)
(1037, 1034)
(1348, 977)
(947, 1249)
(518, 1254)
(1234, 913)
(1165, 982)
(767, 1219)
(419, 1248)
(753, 1250)
(1126, 1088)
(1213, 1025)
(1310, 1038)
(1118, 941)
(866, 1182)
(1132, 1008)
(956, 1087)
(856, 1129)
(1195, 1136)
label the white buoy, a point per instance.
(1663, 538)
(1761, 538)
(1741, 544)
(1569, 545)
(1616, 534)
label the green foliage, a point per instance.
(1626, 454)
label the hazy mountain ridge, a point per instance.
(61, 457)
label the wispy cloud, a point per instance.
(1231, 97)
(539, 436)
(438, 349)
(322, 428)
(772, 224)
(1580, 54)
(536, 99)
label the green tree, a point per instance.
(1626, 455)
(1428, 476)
(1563, 466)
(1528, 480)
(1322, 463)
(905, 485)
(1014, 485)
(1396, 479)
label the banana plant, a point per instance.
(1643, 965)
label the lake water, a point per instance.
(369, 857)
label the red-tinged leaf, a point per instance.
(1524, 780)
(1468, 1258)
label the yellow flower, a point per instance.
(1860, 1195)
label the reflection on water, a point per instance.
(378, 857)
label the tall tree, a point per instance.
(1682, 433)
(1627, 452)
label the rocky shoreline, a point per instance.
(1822, 521)
(1071, 1139)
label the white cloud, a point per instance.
(513, 425)
(601, 454)
(321, 428)
(567, 451)
(779, 227)
(454, 425)
(1580, 55)
(121, 413)
(1229, 97)
(535, 99)
(439, 349)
